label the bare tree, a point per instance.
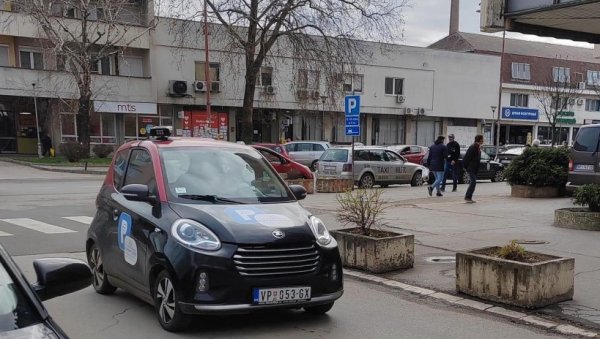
(325, 38)
(81, 35)
(554, 97)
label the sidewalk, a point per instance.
(443, 226)
(90, 169)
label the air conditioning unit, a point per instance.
(215, 86)
(315, 94)
(400, 99)
(269, 89)
(579, 102)
(408, 110)
(178, 88)
(200, 86)
(581, 85)
(302, 93)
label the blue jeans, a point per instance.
(455, 171)
(439, 175)
(471, 189)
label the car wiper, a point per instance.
(208, 197)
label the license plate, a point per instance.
(505, 161)
(586, 168)
(262, 296)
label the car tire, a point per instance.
(465, 178)
(417, 179)
(498, 176)
(366, 181)
(99, 277)
(169, 315)
(319, 309)
(313, 166)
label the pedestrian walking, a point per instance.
(471, 164)
(435, 163)
(452, 164)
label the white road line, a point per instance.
(4, 234)
(82, 219)
(37, 226)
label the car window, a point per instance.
(335, 155)
(587, 139)
(278, 149)
(415, 149)
(15, 310)
(141, 171)
(270, 156)
(318, 147)
(361, 155)
(484, 156)
(290, 147)
(378, 155)
(119, 166)
(303, 147)
(391, 156)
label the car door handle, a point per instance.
(116, 214)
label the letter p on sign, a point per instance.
(352, 105)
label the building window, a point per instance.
(4, 61)
(521, 71)
(308, 79)
(561, 74)
(593, 77)
(31, 59)
(592, 105)
(105, 66)
(95, 13)
(394, 86)
(213, 69)
(132, 66)
(266, 77)
(519, 100)
(353, 83)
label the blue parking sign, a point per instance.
(352, 105)
(353, 131)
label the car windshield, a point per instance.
(15, 311)
(334, 155)
(221, 175)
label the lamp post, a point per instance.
(323, 99)
(37, 122)
(500, 91)
(492, 129)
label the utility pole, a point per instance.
(37, 122)
(500, 92)
(207, 68)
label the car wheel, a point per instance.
(169, 315)
(366, 181)
(498, 176)
(313, 166)
(417, 179)
(99, 277)
(465, 178)
(320, 309)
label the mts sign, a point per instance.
(127, 108)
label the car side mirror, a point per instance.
(137, 192)
(299, 191)
(60, 276)
(283, 161)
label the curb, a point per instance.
(52, 169)
(476, 305)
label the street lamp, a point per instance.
(493, 107)
(323, 99)
(37, 122)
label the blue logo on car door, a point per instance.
(123, 229)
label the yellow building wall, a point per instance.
(10, 41)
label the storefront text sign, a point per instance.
(520, 113)
(125, 107)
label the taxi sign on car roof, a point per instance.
(160, 132)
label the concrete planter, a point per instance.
(577, 218)
(376, 254)
(334, 185)
(309, 184)
(522, 191)
(529, 285)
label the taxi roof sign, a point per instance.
(160, 132)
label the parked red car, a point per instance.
(412, 153)
(283, 164)
(279, 148)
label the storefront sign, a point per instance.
(125, 107)
(519, 113)
(567, 121)
(201, 124)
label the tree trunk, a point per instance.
(552, 134)
(247, 110)
(83, 122)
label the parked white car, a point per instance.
(306, 152)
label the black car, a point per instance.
(22, 314)
(195, 226)
(488, 170)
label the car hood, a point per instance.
(39, 331)
(251, 223)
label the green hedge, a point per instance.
(539, 167)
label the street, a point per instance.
(45, 214)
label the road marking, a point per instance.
(37, 225)
(4, 234)
(82, 219)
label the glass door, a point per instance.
(8, 132)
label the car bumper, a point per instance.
(344, 175)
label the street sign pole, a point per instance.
(352, 154)
(352, 110)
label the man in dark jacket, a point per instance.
(471, 165)
(435, 163)
(452, 164)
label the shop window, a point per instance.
(213, 69)
(102, 128)
(353, 83)
(308, 79)
(521, 71)
(139, 126)
(68, 127)
(4, 61)
(394, 86)
(519, 100)
(131, 66)
(31, 59)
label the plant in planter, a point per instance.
(581, 218)
(515, 276)
(538, 172)
(367, 246)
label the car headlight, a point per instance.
(320, 231)
(194, 235)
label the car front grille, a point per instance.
(265, 261)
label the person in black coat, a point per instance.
(436, 162)
(471, 164)
(452, 164)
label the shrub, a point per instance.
(512, 251)
(539, 167)
(588, 195)
(363, 208)
(73, 151)
(102, 150)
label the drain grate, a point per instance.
(531, 242)
(441, 260)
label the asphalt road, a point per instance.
(45, 214)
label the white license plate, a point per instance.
(280, 295)
(587, 168)
(505, 161)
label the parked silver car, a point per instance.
(373, 165)
(306, 152)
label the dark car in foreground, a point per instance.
(584, 158)
(22, 314)
(488, 170)
(198, 226)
